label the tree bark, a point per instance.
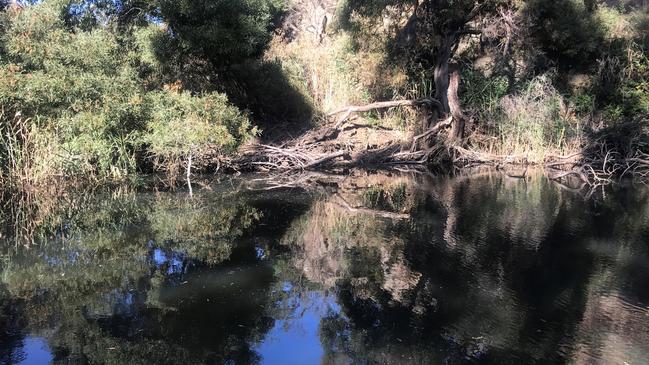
(349, 110)
(441, 80)
(407, 35)
(457, 125)
(440, 74)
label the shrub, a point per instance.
(184, 125)
(89, 104)
(79, 86)
(566, 30)
(224, 32)
(482, 94)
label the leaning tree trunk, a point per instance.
(446, 86)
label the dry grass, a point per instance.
(336, 74)
(534, 123)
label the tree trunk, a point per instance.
(441, 79)
(407, 35)
(457, 125)
(440, 74)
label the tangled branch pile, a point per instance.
(324, 148)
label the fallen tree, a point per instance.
(306, 152)
(349, 110)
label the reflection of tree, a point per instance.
(12, 322)
(488, 266)
(331, 230)
(142, 278)
(612, 326)
(485, 268)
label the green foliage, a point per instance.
(604, 42)
(89, 95)
(583, 103)
(566, 30)
(224, 32)
(482, 94)
(183, 124)
(118, 15)
(165, 63)
(621, 83)
(534, 121)
(80, 86)
(158, 55)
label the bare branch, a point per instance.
(474, 12)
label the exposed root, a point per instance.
(430, 132)
(593, 171)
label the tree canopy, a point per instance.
(223, 31)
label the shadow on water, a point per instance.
(369, 268)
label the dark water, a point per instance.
(367, 269)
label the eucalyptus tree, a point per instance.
(431, 36)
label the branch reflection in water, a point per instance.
(378, 268)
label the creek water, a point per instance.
(371, 268)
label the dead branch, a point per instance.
(434, 129)
(349, 110)
(577, 171)
(285, 158)
(522, 175)
(326, 158)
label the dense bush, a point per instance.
(224, 32)
(182, 124)
(537, 120)
(567, 30)
(86, 96)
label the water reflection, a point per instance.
(295, 338)
(367, 269)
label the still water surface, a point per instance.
(365, 269)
